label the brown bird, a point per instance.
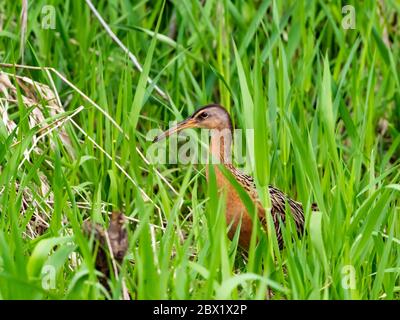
(216, 118)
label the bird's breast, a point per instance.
(235, 210)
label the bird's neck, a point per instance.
(221, 146)
(220, 153)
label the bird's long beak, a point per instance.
(185, 124)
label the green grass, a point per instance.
(325, 106)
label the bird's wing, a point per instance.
(279, 200)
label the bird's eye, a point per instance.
(204, 115)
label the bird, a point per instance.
(216, 118)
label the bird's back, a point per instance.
(279, 203)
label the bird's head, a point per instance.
(212, 116)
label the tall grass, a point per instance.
(325, 105)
